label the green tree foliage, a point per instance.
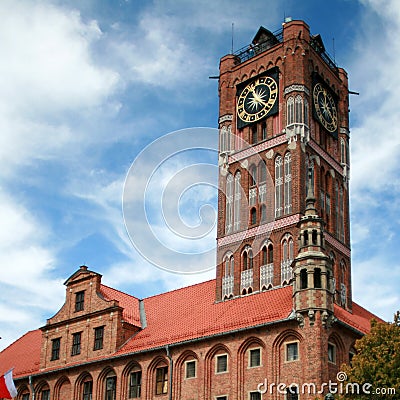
(377, 361)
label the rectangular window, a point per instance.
(135, 385)
(111, 384)
(162, 380)
(55, 349)
(221, 398)
(331, 353)
(79, 301)
(255, 396)
(255, 358)
(76, 344)
(222, 363)
(87, 390)
(45, 395)
(98, 338)
(292, 351)
(190, 369)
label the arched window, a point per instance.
(341, 214)
(306, 118)
(245, 261)
(262, 187)
(344, 151)
(343, 287)
(262, 171)
(253, 176)
(263, 130)
(288, 184)
(254, 134)
(227, 278)
(222, 137)
(303, 279)
(309, 175)
(253, 216)
(227, 266)
(270, 253)
(236, 204)
(317, 278)
(263, 212)
(252, 185)
(229, 203)
(287, 259)
(229, 138)
(290, 111)
(267, 267)
(278, 186)
(299, 109)
(264, 256)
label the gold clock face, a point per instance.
(257, 99)
(325, 108)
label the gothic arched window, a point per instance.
(288, 184)
(236, 202)
(229, 201)
(278, 186)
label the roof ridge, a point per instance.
(181, 288)
(119, 291)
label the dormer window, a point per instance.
(79, 300)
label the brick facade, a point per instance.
(280, 310)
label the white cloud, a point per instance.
(46, 72)
(27, 288)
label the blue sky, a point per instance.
(86, 86)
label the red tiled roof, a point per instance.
(182, 315)
(129, 303)
(23, 355)
(191, 312)
(359, 318)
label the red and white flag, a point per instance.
(7, 387)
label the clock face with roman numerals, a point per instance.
(325, 108)
(257, 99)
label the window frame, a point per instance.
(287, 344)
(45, 394)
(112, 391)
(87, 395)
(136, 386)
(79, 301)
(217, 358)
(332, 346)
(161, 378)
(98, 340)
(253, 349)
(194, 369)
(55, 351)
(76, 345)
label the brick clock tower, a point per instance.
(284, 167)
